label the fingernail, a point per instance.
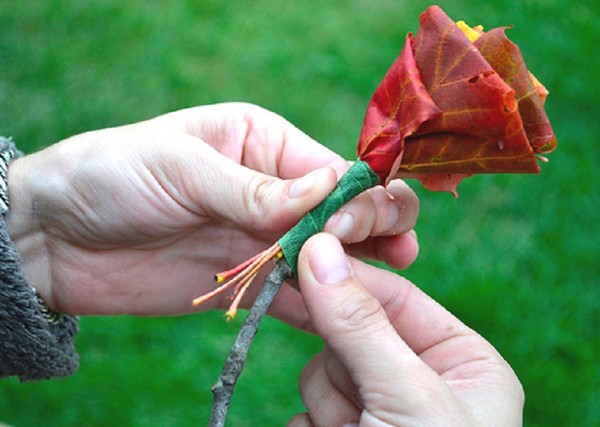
(304, 185)
(413, 234)
(328, 261)
(341, 224)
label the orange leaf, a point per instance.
(506, 58)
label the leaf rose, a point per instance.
(458, 101)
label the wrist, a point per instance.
(23, 229)
(35, 342)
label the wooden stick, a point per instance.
(234, 364)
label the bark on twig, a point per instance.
(223, 389)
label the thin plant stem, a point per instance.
(234, 364)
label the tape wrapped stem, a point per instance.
(359, 178)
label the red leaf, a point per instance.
(397, 109)
(473, 98)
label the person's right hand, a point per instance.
(393, 356)
(138, 218)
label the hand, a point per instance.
(137, 219)
(393, 356)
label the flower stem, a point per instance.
(359, 178)
(234, 364)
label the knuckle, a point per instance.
(408, 205)
(310, 371)
(359, 313)
(407, 209)
(300, 420)
(259, 190)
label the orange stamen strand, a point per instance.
(203, 298)
(232, 311)
(254, 268)
(241, 276)
(224, 275)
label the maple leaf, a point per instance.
(398, 107)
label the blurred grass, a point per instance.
(515, 257)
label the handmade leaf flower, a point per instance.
(457, 101)
(471, 106)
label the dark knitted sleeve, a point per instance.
(35, 343)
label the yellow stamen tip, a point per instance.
(472, 33)
(219, 278)
(279, 255)
(230, 315)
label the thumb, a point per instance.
(354, 323)
(253, 199)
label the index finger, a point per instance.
(428, 328)
(256, 138)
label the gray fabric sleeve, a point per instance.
(35, 343)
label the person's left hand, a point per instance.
(137, 219)
(393, 356)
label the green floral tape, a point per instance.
(359, 178)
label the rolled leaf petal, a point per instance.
(397, 109)
(505, 56)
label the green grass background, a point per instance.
(515, 257)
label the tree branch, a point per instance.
(234, 364)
